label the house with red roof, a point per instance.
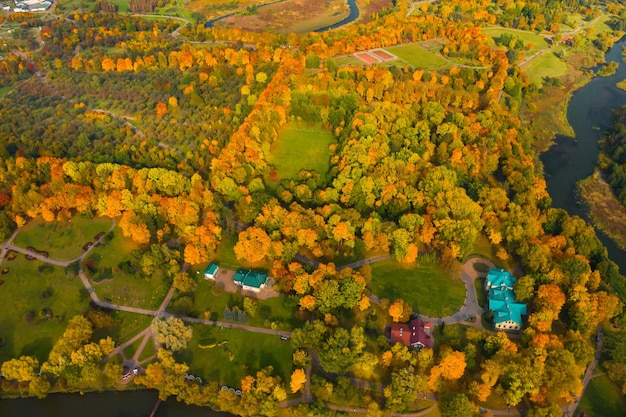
(415, 334)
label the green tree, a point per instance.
(457, 405)
(171, 332)
(401, 393)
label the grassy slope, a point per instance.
(20, 293)
(62, 240)
(301, 147)
(427, 288)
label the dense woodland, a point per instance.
(173, 139)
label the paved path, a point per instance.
(362, 262)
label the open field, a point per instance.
(544, 65)
(602, 398)
(538, 41)
(419, 57)
(62, 240)
(227, 355)
(28, 288)
(299, 16)
(126, 325)
(426, 287)
(301, 147)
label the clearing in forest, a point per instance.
(538, 42)
(114, 278)
(63, 240)
(545, 65)
(301, 147)
(418, 57)
(426, 287)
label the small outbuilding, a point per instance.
(211, 271)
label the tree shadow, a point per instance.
(39, 348)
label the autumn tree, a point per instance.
(23, 369)
(298, 378)
(400, 311)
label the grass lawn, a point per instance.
(301, 147)
(126, 326)
(281, 310)
(122, 5)
(5, 90)
(419, 57)
(21, 293)
(225, 255)
(601, 25)
(544, 65)
(348, 60)
(148, 351)
(539, 42)
(602, 398)
(62, 240)
(481, 297)
(131, 349)
(426, 287)
(124, 288)
(243, 353)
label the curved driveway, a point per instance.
(470, 308)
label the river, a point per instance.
(573, 159)
(103, 404)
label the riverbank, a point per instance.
(606, 212)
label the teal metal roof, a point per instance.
(500, 278)
(250, 278)
(211, 269)
(502, 298)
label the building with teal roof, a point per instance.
(250, 280)
(211, 271)
(507, 312)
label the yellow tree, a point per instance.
(298, 379)
(253, 245)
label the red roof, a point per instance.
(400, 334)
(414, 334)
